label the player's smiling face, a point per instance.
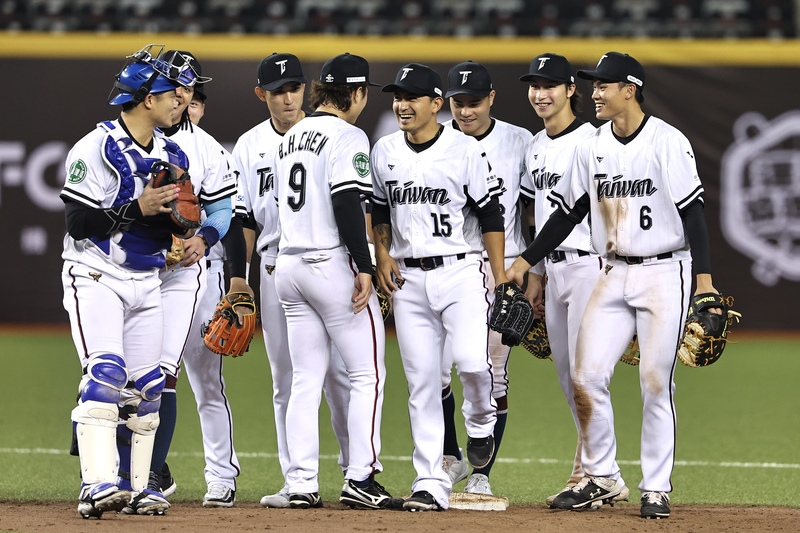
(472, 113)
(184, 96)
(548, 98)
(414, 112)
(610, 98)
(164, 106)
(285, 103)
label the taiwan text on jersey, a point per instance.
(548, 161)
(433, 214)
(254, 155)
(305, 153)
(624, 198)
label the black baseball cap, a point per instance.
(614, 66)
(346, 69)
(278, 69)
(416, 78)
(200, 92)
(551, 67)
(469, 78)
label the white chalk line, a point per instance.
(407, 458)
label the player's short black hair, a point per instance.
(339, 95)
(639, 93)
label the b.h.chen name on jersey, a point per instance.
(309, 141)
(411, 194)
(616, 187)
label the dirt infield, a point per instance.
(191, 517)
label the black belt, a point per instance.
(428, 263)
(557, 256)
(638, 260)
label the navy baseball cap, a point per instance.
(415, 78)
(346, 69)
(278, 69)
(614, 66)
(469, 78)
(551, 67)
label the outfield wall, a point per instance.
(735, 101)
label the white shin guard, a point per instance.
(142, 440)
(96, 429)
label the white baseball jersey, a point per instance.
(548, 160)
(106, 168)
(505, 146)
(430, 202)
(636, 190)
(256, 149)
(307, 150)
(254, 157)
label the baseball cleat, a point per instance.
(219, 495)
(655, 505)
(167, 482)
(422, 500)
(480, 451)
(301, 500)
(150, 501)
(456, 468)
(621, 497)
(279, 500)
(478, 484)
(96, 499)
(373, 496)
(589, 493)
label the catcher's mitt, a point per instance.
(186, 208)
(233, 325)
(537, 341)
(706, 333)
(175, 253)
(631, 354)
(512, 313)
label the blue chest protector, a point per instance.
(142, 242)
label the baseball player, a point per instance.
(637, 179)
(117, 234)
(186, 288)
(471, 97)
(572, 268)
(324, 283)
(281, 85)
(434, 197)
(197, 107)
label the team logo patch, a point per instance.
(269, 268)
(759, 202)
(95, 275)
(608, 267)
(361, 164)
(77, 171)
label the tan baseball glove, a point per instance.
(233, 325)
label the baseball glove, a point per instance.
(536, 340)
(175, 253)
(233, 325)
(512, 313)
(706, 334)
(631, 354)
(383, 300)
(186, 208)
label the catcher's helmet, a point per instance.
(137, 80)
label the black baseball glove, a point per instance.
(512, 313)
(706, 333)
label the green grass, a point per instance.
(738, 427)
